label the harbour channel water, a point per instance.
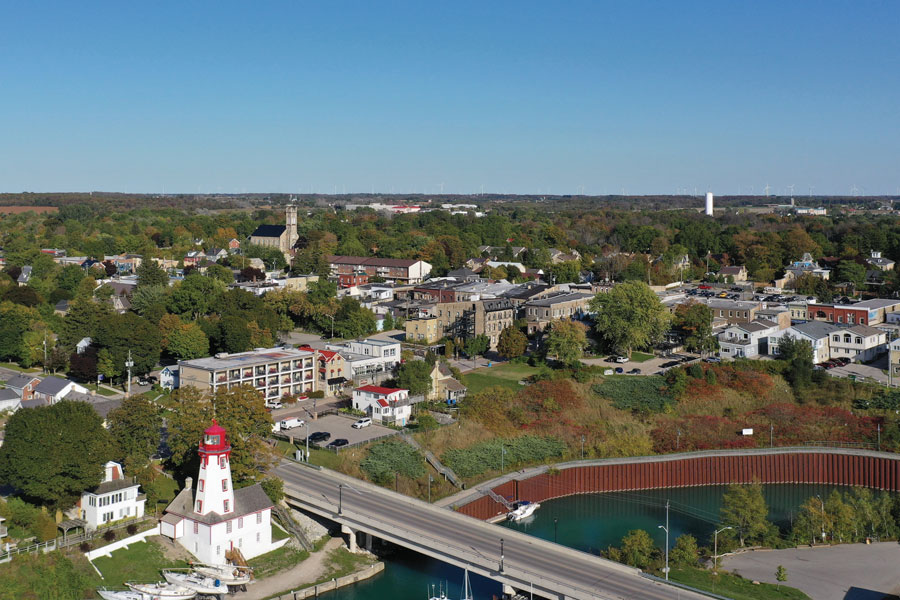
(588, 522)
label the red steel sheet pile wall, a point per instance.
(819, 467)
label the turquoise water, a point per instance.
(588, 522)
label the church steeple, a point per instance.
(214, 491)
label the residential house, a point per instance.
(860, 343)
(117, 497)
(367, 360)
(464, 274)
(879, 262)
(777, 313)
(746, 340)
(558, 256)
(332, 368)
(390, 269)
(61, 308)
(806, 266)
(82, 345)
(234, 244)
(354, 279)
(387, 405)
(894, 358)
(216, 254)
(52, 389)
(169, 378)
(814, 332)
(275, 372)
(215, 519)
(444, 387)
(738, 273)
(24, 275)
(542, 312)
(194, 258)
(9, 400)
(495, 252)
(124, 263)
(23, 385)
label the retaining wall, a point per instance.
(313, 591)
(852, 468)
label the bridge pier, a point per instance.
(351, 538)
(368, 541)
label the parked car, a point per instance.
(291, 423)
(843, 360)
(621, 359)
(274, 404)
(634, 371)
(338, 443)
(713, 360)
(619, 370)
(319, 436)
(671, 363)
(703, 287)
(143, 381)
(364, 422)
(611, 359)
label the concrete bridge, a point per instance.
(526, 563)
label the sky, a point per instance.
(525, 97)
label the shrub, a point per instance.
(386, 458)
(493, 454)
(109, 535)
(131, 529)
(274, 488)
(695, 371)
(636, 393)
(316, 394)
(84, 546)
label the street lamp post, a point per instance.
(307, 442)
(340, 498)
(501, 555)
(716, 548)
(502, 455)
(666, 529)
(823, 516)
(582, 447)
(128, 364)
(555, 529)
(430, 479)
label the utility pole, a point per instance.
(582, 447)
(45, 353)
(771, 435)
(340, 498)
(307, 441)
(430, 479)
(128, 364)
(716, 548)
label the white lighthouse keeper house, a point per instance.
(215, 519)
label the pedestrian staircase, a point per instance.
(285, 519)
(236, 558)
(432, 460)
(498, 498)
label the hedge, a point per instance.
(485, 456)
(386, 458)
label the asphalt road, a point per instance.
(461, 539)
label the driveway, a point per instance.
(648, 367)
(844, 572)
(869, 372)
(340, 427)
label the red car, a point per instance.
(704, 287)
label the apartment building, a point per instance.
(390, 269)
(746, 340)
(541, 312)
(424, 330)
(858, 343)
(469, 319)
(814, 332)
(275, 372)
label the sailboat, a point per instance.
(227, 574)
(466, 591)
(161, 590)
(197, 582)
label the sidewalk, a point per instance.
(306, 573)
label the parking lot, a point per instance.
(339, 427)
(648, 367)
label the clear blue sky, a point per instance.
(649, 97)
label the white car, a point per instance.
(621, 359)
(364, 422)
(291, 423)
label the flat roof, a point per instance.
(245, 359)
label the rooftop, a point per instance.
(269, 231)
(247, 501)
(560, 298)
(245, 359)
(816, 329)
(876, 303)
(371, 260)
(377, 389)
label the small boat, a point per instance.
(227, 574)
(442, 595)
(197, 582)
(522, 510)
(120, 594)
(161, 590)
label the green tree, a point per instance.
(105, 365)
(694, 320)
(798, 354)
(744, 508)
(241, 411)
(638, 549)
(149, 273)
(852, 271)
(842, 517)
(630, 316)
(82, 320)
(478, 345)
(415, 376)
(685, 552)
(196, 295)
(780, 575)
(53, 453)
(146, 297)
(388, 322)
(353, 320)
(135, 427)
(187, 341)
(274, 488)
(234, 334)
(222, 273)
(16, 321)
(121, 334)
(512, 343)
(566, 341)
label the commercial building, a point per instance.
(275, 372)
(542, 312)
(423, 330)
(814, 332)
(466, 320)
(390, 269)
(858, 343)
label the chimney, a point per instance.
(188, 483)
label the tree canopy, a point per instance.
(630, 316)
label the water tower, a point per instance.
(709, 204)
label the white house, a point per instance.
(368, 360)
(9, 400)
(117, 497)
(168, 378)
(53, 389)
(814, 332)
(216, 519)
(388, 405)
(859, 343)
(746, 340)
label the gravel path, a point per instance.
(294, 578)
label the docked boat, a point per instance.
(442, 594)
(197, 582)
(227, 574)
(162, 590)
(120, 594)
(522, 510)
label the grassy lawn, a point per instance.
(735, 587)
(276, 560)
(278, 533)
(640, 357)
(16, 367)
(139, 562)
(166, 489)
(103, 391)
(342, 562)
(505, 375)
(322, 458)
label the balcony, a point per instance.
(260, 370)
(248, 373)
(273, 369)
(221, 378)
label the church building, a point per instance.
(214, 518)
(282, 237)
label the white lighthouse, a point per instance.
(709, 204)
(214, 493)
(211, 520)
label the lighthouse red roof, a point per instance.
(214, 438)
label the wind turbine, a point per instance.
(767, 190)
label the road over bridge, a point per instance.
(553, 570)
